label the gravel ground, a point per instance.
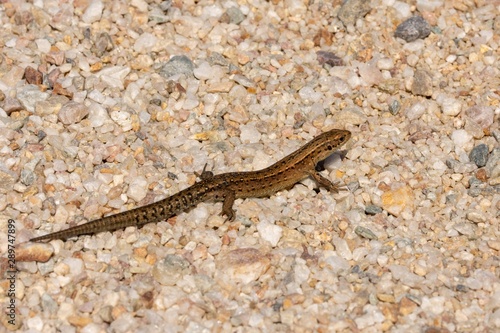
(110, 105)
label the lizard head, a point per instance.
(327, 143)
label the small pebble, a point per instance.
(114, 76)
(372, 210)
(33, 76)
(249, 134)
(450, 106)
(103, 43)
(479, 155)
(493, 163)
(270, 232)
(476, 216)
(243, 265)
(137, 189)
(37, 252)
(422, 83)
(325, 57)
(55, 57)
(72, 113)
(416, 111)
(145, 43)
(170, 270)
(27, 177)
(428, 5)
(482, 115)
(416, 27)
(30, 95)
(177, 65)
(403, 274)
(351, 10)
(394, 107)
(365, 233)
(93, 12)
(233, 15)
(11, 105)
(460, 138)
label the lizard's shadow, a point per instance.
(320, 166)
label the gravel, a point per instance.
(109, 105)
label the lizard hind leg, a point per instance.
(227, 205)
(204, 175)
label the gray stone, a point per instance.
(413, 28)
(479, 155)
(177, 65)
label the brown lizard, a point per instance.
(225, 187)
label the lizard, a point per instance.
(225, 187)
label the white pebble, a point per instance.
(337, 264)
(72, 113)
(75, 265)
(91, 184)
(309, 95)
(301, 272)
(270, 232)
(261, 160)
(370, 74)
(428, 5)
(43, 45)
(138, 188)
(97, 96)
(451, 106)
(451, 58)
(123, 119)
(295, 7)
(65, 310)
(460, 138)
(140, 4)
(145, 42)
(403, 274)
(35, 323)
(144, 117)
(412, 60)
(204, 71)
(249, 134)
(60, 166)
(415, 111)
(342, 248)
(382, 260)
(359, 253)
(200, 214)
(403, 9)
(439, 165)
(114, 76)
(256, 320)
(212, 11)
(433, 305)
(385, 64)
(93, 12)
(190, 103)
(371, 315)
(98, 115)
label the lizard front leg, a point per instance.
(325, 182)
